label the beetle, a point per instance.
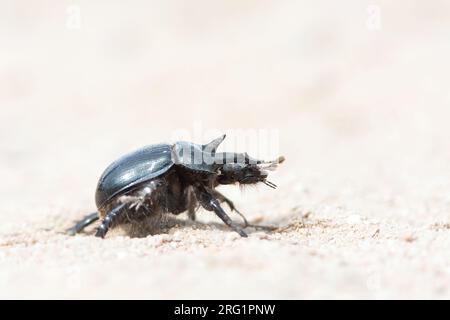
(172, 178)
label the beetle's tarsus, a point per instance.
(210, 203)
(101, 231)
(246, 224)
(240, 231)
(83, 223)
(111, 219)
(230, 204)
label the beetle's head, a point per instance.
(247, 171)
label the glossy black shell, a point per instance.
(133, 169)
(148, 163)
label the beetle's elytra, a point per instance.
(166, 178)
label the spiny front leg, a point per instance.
(210, 203)
(111, 219)
(230, 203)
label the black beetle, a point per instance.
(166, 178)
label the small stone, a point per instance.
(376, 233)
(306, 215)
(409, 238)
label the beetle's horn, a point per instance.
(212, 146)
(270, 165)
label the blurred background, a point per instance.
(356, 90)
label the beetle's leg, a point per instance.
(210, 203)
(83, 223)
(111, 219)
(192, 205)
(191, 212)
(230, 203)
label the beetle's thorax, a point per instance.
(192, 177)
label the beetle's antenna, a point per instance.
(270, 184)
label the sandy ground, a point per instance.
(361, 106)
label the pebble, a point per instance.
(409, 238)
